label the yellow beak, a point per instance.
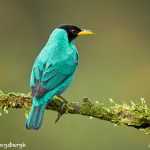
(85, 32)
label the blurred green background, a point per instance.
(114, 63)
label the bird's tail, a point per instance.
(35, 118)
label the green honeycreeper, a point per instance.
(53, 70)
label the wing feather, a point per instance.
(50, 77)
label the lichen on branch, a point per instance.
(135, 115)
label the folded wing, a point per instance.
(46, 77)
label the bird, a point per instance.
(53, 70)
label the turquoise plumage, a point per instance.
(53, 71)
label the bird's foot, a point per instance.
(62, 109)
(63, 105)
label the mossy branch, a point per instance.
(134, 115)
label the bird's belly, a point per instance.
(60, 89)
(73, 60)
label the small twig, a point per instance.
(58, 117)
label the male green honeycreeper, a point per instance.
(53, 70)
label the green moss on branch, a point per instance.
(134, 115)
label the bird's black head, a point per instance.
(71, 30)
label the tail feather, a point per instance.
(35, 118)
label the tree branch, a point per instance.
(134, 115)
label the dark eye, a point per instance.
(73, 31)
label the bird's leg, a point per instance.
(64, 104)
(61, 97)
(62, 108)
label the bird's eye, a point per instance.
(73, 31)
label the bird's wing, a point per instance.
(46, 77)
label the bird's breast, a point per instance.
(74, 58)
